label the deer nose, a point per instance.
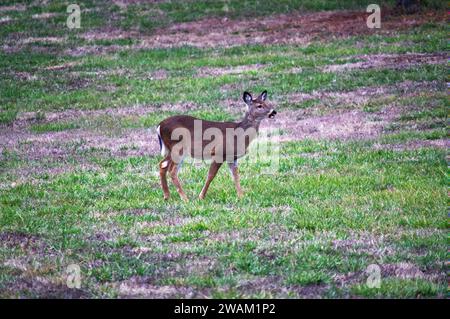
(272, 113)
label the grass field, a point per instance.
(362, 175)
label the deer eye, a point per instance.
(259, 106)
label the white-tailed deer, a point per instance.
(184, 135)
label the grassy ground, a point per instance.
(363, 159)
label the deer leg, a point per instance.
(235, 173)
(174, 174)
(211, 174)
(163, 167)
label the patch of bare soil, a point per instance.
(40, 287)
(16, 42)
(364, 243)
(343, 125)
(26, 118)
(159, 75)
(270, 285)
(402, 270)
(380, 247)
(63, 66)
(17, 7)
(415, 144)
(399, 270)
(109, 33)
(122, 4)
(170, 221)
(93, 49)
(276, 287)
(362, 95)
(208, 71)
(141, 287)
(133, 142)
(267, 238)
(349, 279)
(313, 291)
(61, 152)
(25, 76)
(179, 265)
(294, 28)
(45, 15)
(27, 242)
(405, 270)
(389, 61)
(129, 142)
(42, 39)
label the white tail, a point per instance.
(162, 146)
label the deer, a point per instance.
(183, 135)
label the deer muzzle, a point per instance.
(272, 113)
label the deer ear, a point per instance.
(263, 96)
(247, 98)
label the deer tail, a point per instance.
(162, 146)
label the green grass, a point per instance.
(8, 116)
(408, 135)
(353, 192)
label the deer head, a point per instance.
(258, 109)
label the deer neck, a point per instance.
(250, 121)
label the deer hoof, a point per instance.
(201, 196)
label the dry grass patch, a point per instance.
(139, 287)
(342, 125)
(17, 7)
(414, 145)
(389, 61)
(26, 242)
(208, 71)
(363, 95)
(294, 28)
(41, 287)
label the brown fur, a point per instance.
(227, 151)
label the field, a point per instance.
(362, 175)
